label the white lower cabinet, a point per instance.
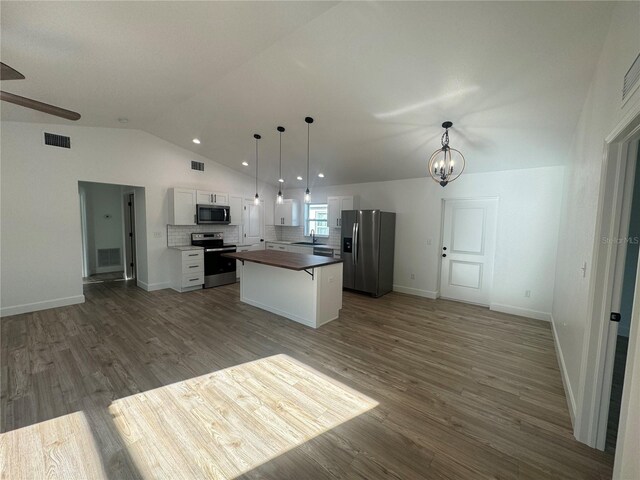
(300, 249)
(277, 246)
(305, 249)
(187, 269)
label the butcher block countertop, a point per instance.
(288, 260)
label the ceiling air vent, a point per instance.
(57, 140)
(197, 166)
(631, 78)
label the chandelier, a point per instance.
(446, 164)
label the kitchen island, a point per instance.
(303, 288)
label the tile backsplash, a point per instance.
(296, 234)
(178, 235)
(181, 234)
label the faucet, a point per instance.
(313, 235)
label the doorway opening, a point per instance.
(606, 409)
(624, 288)
(108, 220)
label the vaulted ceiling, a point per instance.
(378, 77)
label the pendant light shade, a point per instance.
(446, 164)
(256, 200)
(279, 198)
(307, 193)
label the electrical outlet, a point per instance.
(413, 277)
(527, 293)
(429, 241)
(157, 234)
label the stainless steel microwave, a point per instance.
(208, 214)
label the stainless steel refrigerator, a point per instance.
(368, 240)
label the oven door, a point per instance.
(208, 214)
(218, 270)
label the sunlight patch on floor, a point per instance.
(218, 425)
(228, 422)
(62, 447)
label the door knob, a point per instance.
(444, 254)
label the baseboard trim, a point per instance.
(280, 312)
(44, 305)
(150, 287)
(571, 401)
(415, 291)
(522, 312)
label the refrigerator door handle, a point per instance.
(353, 241)
(356, 248)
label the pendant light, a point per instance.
(279, 198)
(307, 193)
(446, 164)
(256, 200)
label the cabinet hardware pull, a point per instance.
(193, 279)
(194, 266)
(193, 255)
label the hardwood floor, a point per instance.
(135, 384)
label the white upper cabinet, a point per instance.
(235, 207)
(182, 206)
(287, 213)
(336, 205)
(212, 198)
(220, 198)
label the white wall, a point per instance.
(601, 112)
(41, 263)
(526, 237)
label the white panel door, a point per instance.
(252, 222)
(468, 247)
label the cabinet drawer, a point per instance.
(189, 255)
(271, 247)
(193, 280)
(192, 266)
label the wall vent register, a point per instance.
(56, 140)
(631, 78)
(197, 166)
(108, 257)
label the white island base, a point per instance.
(294, 294)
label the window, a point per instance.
(315, 218)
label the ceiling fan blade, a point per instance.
(41, 107)
(8, 73)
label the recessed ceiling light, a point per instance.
(321, 175)
(245, 164)
(281, 180)
(123, 120)
(196, 141)
(299, 177)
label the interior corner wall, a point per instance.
(601, 112)
(40, 235)
(527, 231)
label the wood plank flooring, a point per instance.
(135, 384)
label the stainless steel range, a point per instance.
(218, 270)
